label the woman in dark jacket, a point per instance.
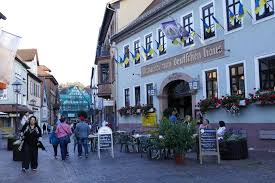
(31, 133)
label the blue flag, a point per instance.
(171, 29)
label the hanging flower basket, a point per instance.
(209, 104)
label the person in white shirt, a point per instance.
(221, 130)
(25, 118)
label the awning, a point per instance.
(8, 108)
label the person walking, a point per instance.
(54, 141)
(44, 128)
(31, 133)
(63, 132)
(82, 132)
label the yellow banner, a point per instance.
(150, 120)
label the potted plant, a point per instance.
(179, 137)
(125, 111)
(146, 109)
(208, 104)
(136, 110)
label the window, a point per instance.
(137, 95)
(126, 56)
(127, 97)
(207, 13)
(149, 88)
(237, 84)
(232, 6)
(31, 87)
(162, 42)
(188, 26)
(137, 51)
(267, 73)
(104, 73)
(148, 45)
(211, 84)
(266, 11)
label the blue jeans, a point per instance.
(82, 142)
(63, 146)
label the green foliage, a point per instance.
(177, 136)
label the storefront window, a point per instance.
(237, 83)
(137, 95)
(149, 88)
(267, 73)
(127, 97)
(211, 84)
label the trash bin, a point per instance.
(11, 140)
(17, 155)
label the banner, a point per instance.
(171, 30)
(8, 48)
(150, 120)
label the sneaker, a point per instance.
(79, 156)
(86, 156)
(34, 169)
(24, 170)
(55, 157)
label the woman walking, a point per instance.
(31, 133)
(54, 141)
(63, 132)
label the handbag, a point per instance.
(67, 137)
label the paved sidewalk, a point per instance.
(131, 168)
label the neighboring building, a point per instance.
(9, 105)
(233, 61)
(30, 57)
(49, 95)
(118, 14)
(34, 95)
(72, 100)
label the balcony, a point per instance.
(103, 51)
(105, 90)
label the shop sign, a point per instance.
(209, 52)
(108, 103)
(14, 115)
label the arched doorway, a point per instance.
(175, 93)
(179, 98)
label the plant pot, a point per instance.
(179, 158)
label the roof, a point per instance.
(19, 59)
(14, 108)
(43, 71)
(28, 54)
(34, 77)
(156, 11)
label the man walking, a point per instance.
(82, 132)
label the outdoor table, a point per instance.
(93, 139)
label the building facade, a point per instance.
(116, 17)
(13, 105)
(72, 100)
(49, 95)
(230, 54)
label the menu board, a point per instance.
(208, 143)
(105, 141)
(208, 140)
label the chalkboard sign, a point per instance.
(208, 143)
(105, 140)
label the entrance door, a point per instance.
(179, 97)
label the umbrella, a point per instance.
(40, 145)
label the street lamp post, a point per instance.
(94, 91)
(17, 89)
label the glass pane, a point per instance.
(240, 70)
(214, 74)
(233, 71)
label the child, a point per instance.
(54, 141)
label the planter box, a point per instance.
(234, 150)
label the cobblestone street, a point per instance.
(130, 167)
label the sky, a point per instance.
(65, 33)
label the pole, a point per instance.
(16, 118)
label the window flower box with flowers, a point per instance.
(264, 97)
(136, 110)
(209, 104)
